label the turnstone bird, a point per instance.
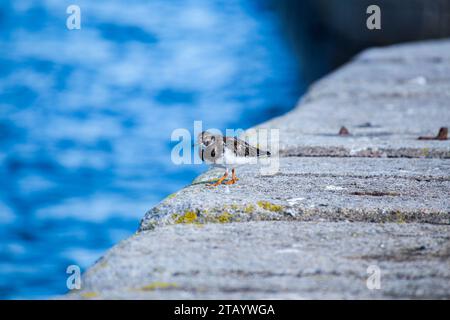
(227, 152)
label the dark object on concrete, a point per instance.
(375, 193)
(344, 131)
(442, 135)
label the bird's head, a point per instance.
(205, 138)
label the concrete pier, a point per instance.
(375, 198)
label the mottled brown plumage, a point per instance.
(227, 152)
(213, 147)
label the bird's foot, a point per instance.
(218, 181)
(214, 184)
(232, 181)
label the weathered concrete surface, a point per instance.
(386, 98)
(378, 196)
(354, 189)
(275, 260)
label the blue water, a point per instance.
(86, 117)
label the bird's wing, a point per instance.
(242, 149)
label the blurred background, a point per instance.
(86, 115)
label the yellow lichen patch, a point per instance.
(186, 218)
(400, 217)
(224, 217)
(266, 205)
(89, 295)
(249, 209)
(234, 207)
(159, 285)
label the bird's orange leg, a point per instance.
(225, 175)
(234, 179)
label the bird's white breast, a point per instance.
(230, 159)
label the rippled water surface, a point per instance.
(86, 117)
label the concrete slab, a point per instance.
(306, 189)
(275, 260)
